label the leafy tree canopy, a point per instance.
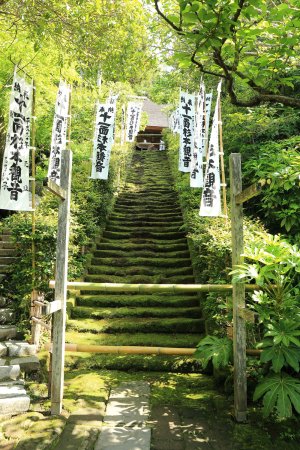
(252, 45)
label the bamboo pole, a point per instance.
(35, 310)
(127, 287)
(222, 161)
(238, 292)
(134, 350)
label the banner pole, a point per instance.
(222, 161)
(35, 310)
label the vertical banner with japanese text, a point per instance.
(196, 175)
(187, 118)
(123, 119)
(211, 195)
(134, 111)
(112, 102)
(103, 141)
(59, 131)
(15, 169)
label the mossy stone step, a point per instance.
(139, 270)
(138, 300)
(151, 210)
(147, 255)
(136, 222)
(135, 312)
(159, 246)
(127, 261)
(144, 339)
(141, 279)
(140, 234)
(142, 325)
(132, 228)
(157, 203)
(176, 217)
(133, 363)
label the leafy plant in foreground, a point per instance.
(214, 348)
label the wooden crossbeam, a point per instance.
(248, 193)
(55, 189)
(126, 287)
(49, 307)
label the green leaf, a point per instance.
(214, 348)
(280, 391)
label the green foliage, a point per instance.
(215, 349)
(241, 42)
(279, 391)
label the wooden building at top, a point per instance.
(151, 136)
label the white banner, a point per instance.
(123, 119)
(15, 169)
(187, 118)
(134, 112)
(196, 177)
(174, 121)
(112, 102)
(103, 140)
(211, 196)
(59, 131)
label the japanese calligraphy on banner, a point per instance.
(14, 193)
(211, 196)
(187, 118)
(196, 176)
(112, 102)
(103, 140)
(59, 131)
(134, 112)
(123, 119)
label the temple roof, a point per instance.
(156, 115)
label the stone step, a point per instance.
(7, 316)
(151, 211)
(136, 312)
(140, 234)
(131, 270)
(129, 261)
(147, 243)
(20, 349)
(28, 364)
(6, 260)
(141, 279)
(9, 372)
(11, 391)
(4, 269)
(7, 332)
(3, 302)
(141, 325)
(7, 252)
(136, 222)
(7, 244)
(117, 300)
(14, 405)
(132, 228)
(141, 253)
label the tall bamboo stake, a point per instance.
(35, 310)
(222, 161)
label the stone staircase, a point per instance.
(143, 243)
(16, 357)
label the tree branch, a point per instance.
(161, 14)
(201, 67)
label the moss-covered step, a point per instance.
(145, 222)
(128, 260)
(151, 211)
(141, 234)
(131, 228)
(146, 243)
(141, 325)
(132, 363)
(116, 253)
(143, 279)
(118, 300)
(139, 270)
(136, 312)
(149, 339)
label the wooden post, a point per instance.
(59, 317)
(35, 310)
(238, 292)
